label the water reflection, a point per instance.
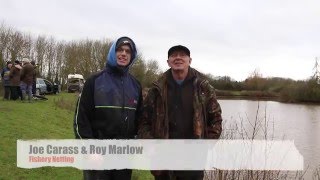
(298, 122)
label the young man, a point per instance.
(180, 105)
(110, 103)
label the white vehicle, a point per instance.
(75, 83)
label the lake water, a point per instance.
(298, 122)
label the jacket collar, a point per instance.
(116, 70)
(163, 80)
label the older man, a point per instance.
(180, 105)
(26, 77)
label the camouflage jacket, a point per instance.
(154, 123)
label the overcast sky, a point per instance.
(280, 38)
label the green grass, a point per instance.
(52, 119)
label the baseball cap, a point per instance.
(125, 40)
(179, 48)
(26, 60)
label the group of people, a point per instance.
(181, 104)
(19, 80)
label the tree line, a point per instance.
(282, 89)
(56, 59)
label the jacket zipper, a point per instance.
(126, 122)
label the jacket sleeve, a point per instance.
(83, 113)
(138, 111)
(145, 120)
(214, 119)
(22, 73)
(12, 72)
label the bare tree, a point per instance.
(316, 74)
(59, 77)
(56, 60)
(152, 72)
(40, 51)
(84, 58)
(71, 63)
(5, 33)
(16, 45)
(50, 57)
(138, 69)
(26, 50)
(99, 54)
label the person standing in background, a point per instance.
(34, 78)
(26, 77)
(6, 80)
(15, 80)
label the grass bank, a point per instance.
(52, 119)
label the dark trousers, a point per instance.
(180, 175)
(124, 174)
(34, 86)
(26, 89)
(7, 91)
(15, 92)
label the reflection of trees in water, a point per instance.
(252, 175)
(259, 128)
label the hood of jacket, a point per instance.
(112, 57)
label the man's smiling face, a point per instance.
(123, 54)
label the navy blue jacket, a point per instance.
(5, 76)
(110, 103)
